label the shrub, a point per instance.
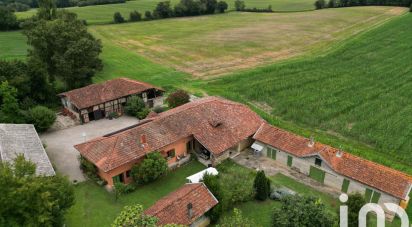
(87, 167)
(221, 6)
(134, 216)
(136, 107)
(355, 203)
(236, 219)
(150, 169)
(18, 7)
(118, 18)
(239, 5)
(148, 15)
(177, 98)
(8, 20)
(163, 10)
(210, 6)
(261, 186)
(332, 4)
(135, 16)
(158, 109)
(212, 183)
(41, 117)
(410, 8)
(320, 4)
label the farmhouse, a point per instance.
(185, 206)
(211, 128)
(97, 101)
(17, 139)
(333, 167)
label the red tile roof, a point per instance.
(107, 91)
(217, 124)
(173, 208)
(369, 173)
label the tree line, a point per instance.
(182, 9)
(241, 6)
(320, 4)
(24, 5)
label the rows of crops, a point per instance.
(362, 91)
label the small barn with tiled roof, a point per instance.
(185, 206)
(333, 167)
(97, 101)
(212, 127)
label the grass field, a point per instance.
(103, 14)
(12, 45)
(362, 91)
(214, 45)
(95, 207)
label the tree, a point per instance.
(118, 18)
(148, 15)
(210, 6)
(261, 186)
(31, 200)
(177, 98)
(119, 190)
(8, 20)
(132, 216)
(303, 212)
(212, 183)
(9, 109)
(222, 6)
(135, 16)
(355, 203)
(150, 169)
(47, 10)
(41, 117)
(410, 8)
(240, 5)
(65, 49)
(163, 10)
(320, 4)
(136, 107)
(236, 220)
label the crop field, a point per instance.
(12, 45)
(103, 14)
(214, 45)
(363, 91)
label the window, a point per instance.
(128, 173)
(318, 162)
(372, 196)
(189, 146)
(290, 160)
(345, 185)
(171, 154)
(271, 153)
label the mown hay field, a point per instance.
(214, 45)
(12, 45)
(103, 14)
(362, 91)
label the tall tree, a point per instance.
(261, 186)
(47, 10)
(8, 20)
(65, 48)
(355, 203)
(9, 109)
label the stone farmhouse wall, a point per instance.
(332, 178)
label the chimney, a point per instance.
(339, 153)
(311, 141)
(143, 139)
(190, 210)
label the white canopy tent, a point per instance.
(197, 177)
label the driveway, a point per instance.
(59, 144)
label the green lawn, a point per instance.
(103, 14)
(12, 45)
(218, 44)
(362, 91)
(96, 207)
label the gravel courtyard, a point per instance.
(59, 144)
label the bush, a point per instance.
(136, 107)
(239, 5)
(118, 18)
(320, 4)
(209, 6)
(163, 10)
(8, 20)
(177, 98)
(410, 8)
(135, 16)
(98, 2)
(148, 15)
(261, 186)
(18, 7)
(150, 169)
(212, 183)
(87, 167)
(236, 219)
(355, 203)
(332, 4)
(221, 6)
(41, 117)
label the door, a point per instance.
(98, 114)
(317, 174)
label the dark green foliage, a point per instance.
(118, 18)
(177, 98)
(18, 7)
(261, 186)
(320, 4)
(98, 2)
(9, 108)
(222, 6)
(41, 117)
(410, 8)
(236, 220)
(355, 203)
(134, 216)
(213, 184)
(65, 49)
(163, 10)
(332, 4)
(136, 107)
(30, 200)
(189, 8)
(148, 15)
(8, 20)
(47, 10)
(150, 169)
(210, 6)
(303, 212)
(349, 3)
(87, 167)
(135, 16)
(239, 5)
(256, 10)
